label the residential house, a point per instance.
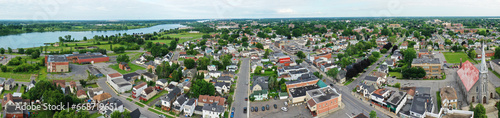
(31, 85)
(226, 79)
(72, 87)
(93, 92)
(101, 97)
(110, 105)
(213, 110)
(222, 87)
(137, 90)
(167, 100)
(9, 84)
(131, 77)
(449, 98)
(149, 76)
(13, 111)
(379, 96)
(161, 84)
(137, 114)
(148, 93)
(212, 68)
(190, 106)
(179, 103)
(421, 104)
(206, 99)
(81, 94)
(124, 66)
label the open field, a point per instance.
(183, 37)
(454, 57)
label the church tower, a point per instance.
(483, 78)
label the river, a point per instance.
(36, 39)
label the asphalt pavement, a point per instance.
(242, 89)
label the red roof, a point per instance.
(311, 102)
(114, 75)
(140, 85)
(469, 74)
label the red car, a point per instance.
(246, 99)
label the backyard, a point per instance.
(397, 74)
(133, 68)
(454, 57)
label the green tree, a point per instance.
(472, 53)
(35, 54)
(498, 107)
(266, 54)
(480, 111)
(298, 61)
(9, 50)
(259, 45)
(373, 114)
(123, 58)
(383, 51)
(413, 72)
(497, 53)
(332, 72)
(296, 32)
(201, 87)
(20, 50)
(2, 50)
(409, 55)
(301, 55)
(258, 70)
(397, 85)
(189, 63)
(376, 54)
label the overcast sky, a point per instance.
(214, 9)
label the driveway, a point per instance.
(77, 72)
(242, 90)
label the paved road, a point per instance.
(242, 89)
(127, 104)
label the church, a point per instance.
(474, 84)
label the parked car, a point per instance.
(162, 116)
(331, 85)
(232, 109)
(252, 109)
(284, 109)
(256, 109)
(246, 99)
(286, 104)
(275, 106)
(263, 108)
(232, 114)
(267, 107)
(244, 109)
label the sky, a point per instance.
(226, 9)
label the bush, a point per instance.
(397, 85)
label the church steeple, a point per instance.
(484, 68)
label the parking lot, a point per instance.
(77, 72)
(299, 111)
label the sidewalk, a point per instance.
(147, 107)
(386, 112)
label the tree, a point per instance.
(332, 72)
(83, 83)
(298, 61)
(2, 50)
(397, 85)
(301, 55)
(497, 53)
(409, 55)
(472, 53)
(189, 63)
(383, 51)
(201, 87)
(20, 50)
(123, 58)
(413, 72)
(376, 54)
(258, 70)
(498, 107)
(480, 111)
(35, 54)
(266, 54)
(259, 45)
(9, 50)
(296, 32)
(373, 114)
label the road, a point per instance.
(242, 89)
(351, 103)
(127, 104)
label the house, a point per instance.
(148, 93)
(2, 81)
(206, 99)
(222, 87)
(232, 68)
(56, 63)
(101, 97)
(137, 114)
(379, 96)
(323, 101)
(421, 104)
(149, 76)
(81, 94)
(190, 106)
(13, 111)
(396, 101)
(137, 90)
(94, 91)
(167, 100)
(371, 80)
(13, 99)
(124, 66)
(179, 103)
(31, 85)
(72, 86)
(260, 94)
(212, 68)
(118, 83)
(366, 90)
(260, 83)
(449, 98)
(215, 74)
(213, 110)
(9, 84)
(226, 79)
(110, 105)
(131, 77)
(161, 84)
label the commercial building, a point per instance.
(56, 63)
(118, 83)
(432, 66)
(87, 58)
(396, 101)
(323, 101)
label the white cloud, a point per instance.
(285, 11)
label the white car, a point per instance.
(284, 109)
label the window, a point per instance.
(435, 66)
(425, 67)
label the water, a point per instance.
(36, 39)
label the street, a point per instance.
(242, 89)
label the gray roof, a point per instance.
(213, 107)
(423, 90)
(301, 91)
(129, 76)
(56, 58)
(495, 61)
(172, 94)
(426, 61)
(2, 80)
(191, 101)
(137, 114)
(371, 78)
(163, 80)
(9, 81)
(262, 81)
(303, 78)
(322, 94)
(117, 102)
(224, 78)
(221, 84)
(396, 98)
(150, 75)
(419, 104)
(181, 99)
(121, 82)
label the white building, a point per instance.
(212, 110)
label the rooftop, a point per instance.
(421, 104)
(322, 94)
(448, 93)
(301, 91)
(371, 78)
(426, 61)
(396, 98)
(56, 58)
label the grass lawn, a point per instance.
(397, 74)
(267, 73)
(498, 90)
(183, 37)
(130, 99)
(156, 96)
(438, 98)
(494, 72)
(22, 90)
(141, 105)
(348, 82)
(23, 77)
(95, 115)
(133, 68)
(454, 57)
(93, 85)
(152, 110)
(9, 91)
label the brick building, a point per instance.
(87, 58)
(323, 101)
(56, 63)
